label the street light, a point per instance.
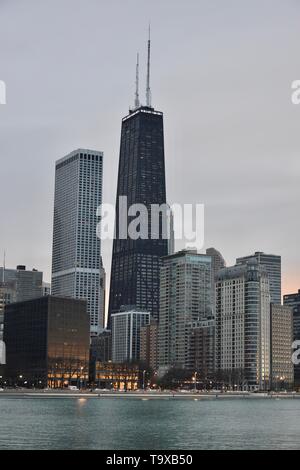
(195, 379)
(144, 372)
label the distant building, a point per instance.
(101, 347)
(185, 297)
(149, 344)
(46, 288)
(171, 239)
(17, 285)
(76, 259)
(282, 368)
(293, 301)
(243, 325)
(202, 348)
(126, 327)
(47, 342)
(272, 264)
(26, 284)
(2, 353)
(217, 263)
(7, 296)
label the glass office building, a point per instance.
(47, 342)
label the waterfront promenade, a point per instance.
(143, 395)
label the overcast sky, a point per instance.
(221, 73)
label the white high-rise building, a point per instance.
(126, 334)
(76, 263)
(243, 325)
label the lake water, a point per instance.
(118, 424)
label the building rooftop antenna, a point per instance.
(137, 97)
(3, 271)
(148, 89)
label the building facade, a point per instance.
(282, 368)
(126, 326)
(149, 344)
(25, 284)
(141, 180)
(293, 301)
(47, 342)
(17, 285)
(217, 263)
(202, 348)
(272, 264)
(112, 376)
(101, 347)
(243, 325)
(76, 259)
(185, 297)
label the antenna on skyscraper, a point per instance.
(148, 90)
(137, 98)
(3, 272)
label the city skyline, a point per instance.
(206, 133)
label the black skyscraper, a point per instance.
(141, 177)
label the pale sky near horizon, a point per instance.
(221, 73)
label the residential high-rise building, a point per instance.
(293, 301)
(171, 240)
(141, 181)
(243, 324)
(202, 348)
(282, 368)
(185, 297)
(126, 326)
(273, 267)
(47, 342)
(149, 344)
(217, 263)
(76, 260)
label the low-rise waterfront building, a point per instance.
(109, 375)
(47, 342)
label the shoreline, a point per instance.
(32, 394)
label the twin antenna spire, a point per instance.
(148, 89)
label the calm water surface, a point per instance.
(66, 423)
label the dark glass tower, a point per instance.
(136, 263)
